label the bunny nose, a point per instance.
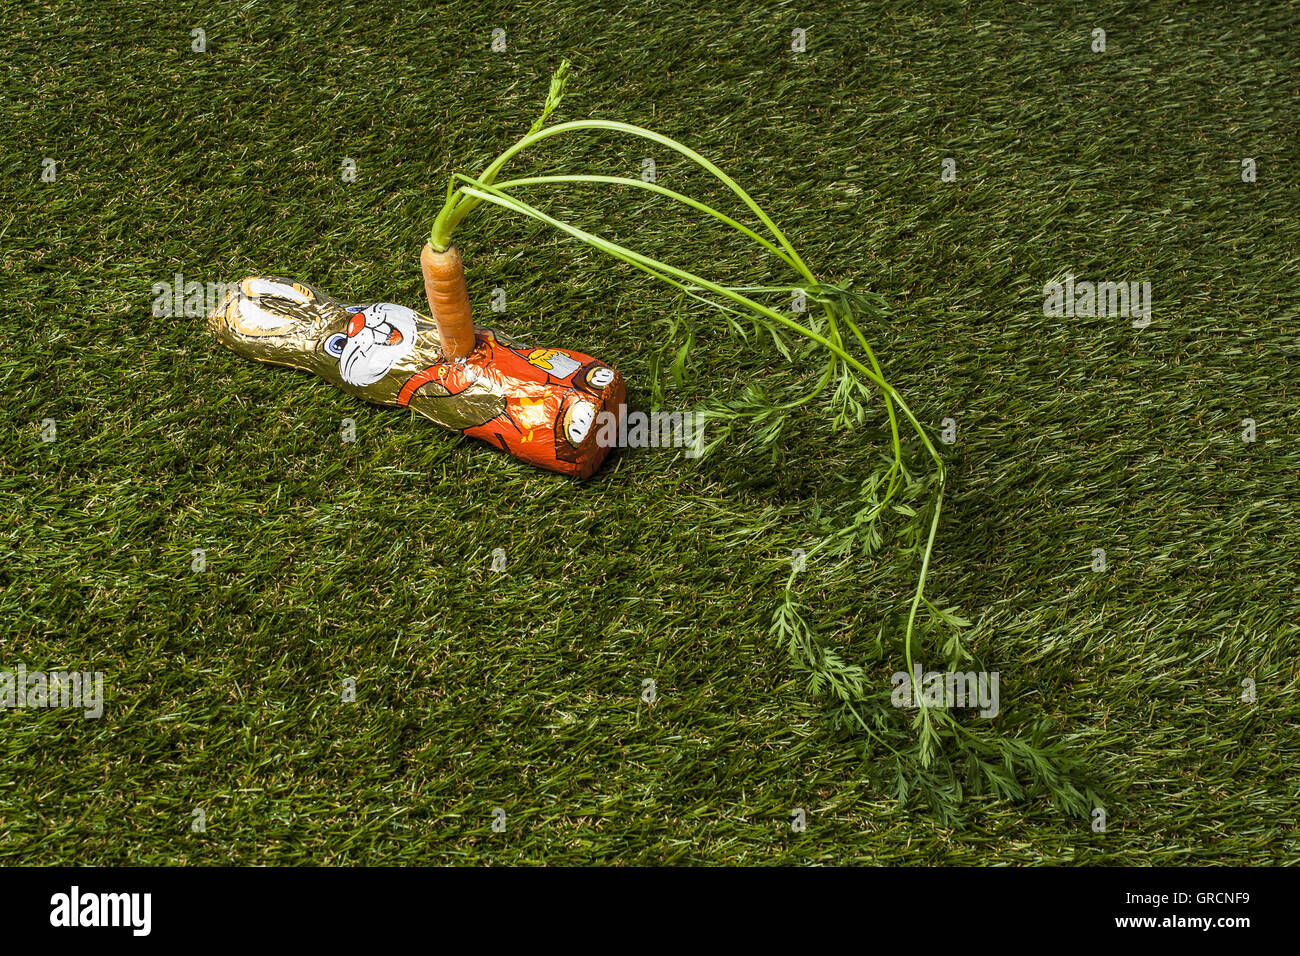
(356, 323)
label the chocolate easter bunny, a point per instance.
(552, 407)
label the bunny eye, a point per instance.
(334, 344)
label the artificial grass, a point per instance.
(522, 689)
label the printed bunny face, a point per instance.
(375, 339)
(600, 377)
(577, 422)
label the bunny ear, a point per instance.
(258, 286)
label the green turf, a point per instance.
(521, 689)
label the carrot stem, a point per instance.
(678, 277)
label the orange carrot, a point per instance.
(444, 285)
